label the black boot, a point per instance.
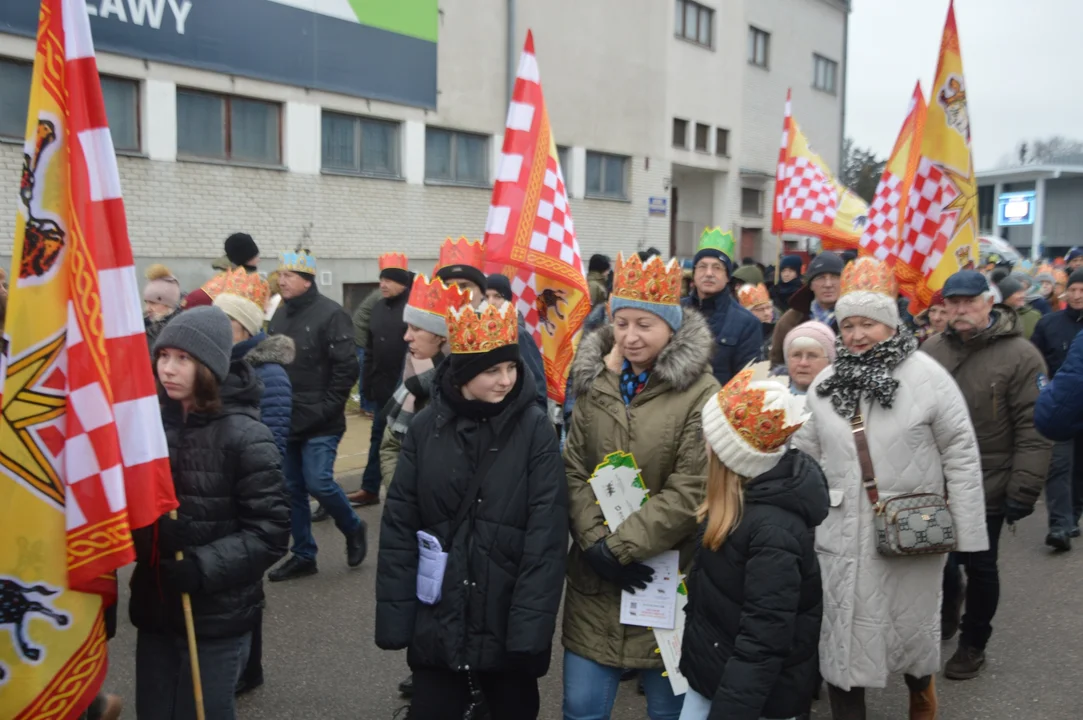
(357, 546)
(965, 664)
(847, 704)
(295, 567)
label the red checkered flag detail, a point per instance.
(929, 225)
(807, 195)
(882, 232)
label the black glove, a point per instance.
(526, 664)
(174, 535)
(1014, 511)
(181, 576)
(628, 577)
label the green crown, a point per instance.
(715, 239)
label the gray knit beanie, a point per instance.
(204, 333)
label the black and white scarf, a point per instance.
(867, 374)
(415, 389)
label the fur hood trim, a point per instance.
(681, 363)
(276, 349)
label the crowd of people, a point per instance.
(771, 423)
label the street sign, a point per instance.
(657, 206)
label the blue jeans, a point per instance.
(309, 467)
(697, 707)
(1059, 490)
(163, 676)
(366, 405)
(371, 479)
(590, 690)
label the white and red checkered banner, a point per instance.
(83, 457)
(529, 233)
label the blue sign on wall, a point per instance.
(1016, 208)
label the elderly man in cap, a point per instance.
(1000, 375)
(814, 301)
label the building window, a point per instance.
(456, 157)
(564, 157)
(722, 142)
(680, 133)
(223, 127)
(751, 202)
(122, 111)
(14, 97)
(360, 145)
(607, 176)
(758, 46)
(824, 74)
(703, 137)
(694, 22)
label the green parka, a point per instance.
(663, 431)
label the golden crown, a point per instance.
(398, 261)
(435, 297)
(752, 295)
(298, 261)
(478, 331)
(746, 409)
(867, 274)
(248, 285)
(461, 252)
(654, 281)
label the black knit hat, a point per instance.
(462, 272)
(826, 263)
(241, 248)
(501, 284)
(398, 275)
(599, 263)
(791, 262)
(1075, 277)
(467, 366)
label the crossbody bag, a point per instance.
(911, 524)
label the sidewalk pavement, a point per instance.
(353, 451)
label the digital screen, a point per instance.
(1016, 208)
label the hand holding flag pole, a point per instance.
(189, 625)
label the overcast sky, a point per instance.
(1022, 60)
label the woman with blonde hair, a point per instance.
(754, 598)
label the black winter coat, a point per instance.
(505, 574)
(1054, 334)
(324, 369)
(228, 478)
(386, 349)
(752, 630)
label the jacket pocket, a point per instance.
(580, 576)
(829, 540)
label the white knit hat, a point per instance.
(749, 421)
(243, 310)
(869, 290)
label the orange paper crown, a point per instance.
(436, 298)
(478, 331)
(752, 295)
(461, 252)
(766, 429)
(248, 285)
(390, 261)
(654, 281)
(867, 274)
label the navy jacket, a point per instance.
(737, 333)
(1053, 335)
(532, 359)
(269, 356)
(1058, 414)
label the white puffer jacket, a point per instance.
(882, 614)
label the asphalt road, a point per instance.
(320, 660)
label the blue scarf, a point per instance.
(821, 314)
(630, 383)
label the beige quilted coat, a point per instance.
(882, 614)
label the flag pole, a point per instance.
(189, 624)
(778, 260)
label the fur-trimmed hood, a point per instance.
(271, 349)
(681, 363)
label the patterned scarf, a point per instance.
(822, 314)
(868, 374)
(403, 405)
(630, 383)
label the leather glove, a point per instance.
(529, 665)
(173, 535)
(181, 576)
(628, 577)
(1014, 511)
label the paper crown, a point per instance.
(248, 285)
(654, 281)
(298, 261)
(461, 252)
(867, 274)
(479, 331)
(717, 239)
(429, 303)
(389, 261)
(752, 295)
(216, 285)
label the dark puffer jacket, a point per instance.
(752, 633)
(228, 478)
(1058, 413)
(325, 367)
(386, 348)
(270, 356)
(1054, 335)
(502, 587)
(738, 336)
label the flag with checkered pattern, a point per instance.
(83, 457)
(808, 199)
(940, 228)
(881, 236)
(529, 234)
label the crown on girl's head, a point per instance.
(867, 274)
(436, 298)
(482, 330)
(752, 295)
(761, 409)
(248, 285)
(299, 260)
(461, 252)
(389, 261)
(653, 281)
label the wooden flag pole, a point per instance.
(189, 624)
(778, 260)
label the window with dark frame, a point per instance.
(751, 202)
(607, 176)
(564, 157)
(362, 145)
(121, 96)
(694, 22)
(15, 77)
(680, 133)
(824, 74)
(456, 157)
(703, 137)
(228, 128)
(722, 142)
(759, 42)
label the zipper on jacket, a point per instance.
(994, 401)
